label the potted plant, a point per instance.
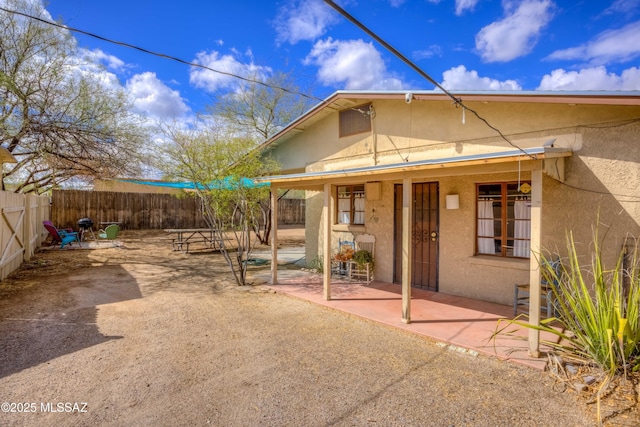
(363, 257)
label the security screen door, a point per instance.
(424, 235)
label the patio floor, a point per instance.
(463, 324)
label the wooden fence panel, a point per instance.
(21, 227)
(291, 211)
(144, 211)
(135, 211)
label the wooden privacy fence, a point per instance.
(134, 211)
(21, 230)
(144, 211)
(291, 211)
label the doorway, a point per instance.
(424, 235)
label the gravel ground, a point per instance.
(139, 335)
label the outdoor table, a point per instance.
(185, 236)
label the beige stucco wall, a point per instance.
(602, 182)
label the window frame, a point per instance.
(352, 190)
(507, 219)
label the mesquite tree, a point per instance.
(221, 165)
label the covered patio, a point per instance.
(442, 317)
(461, 324)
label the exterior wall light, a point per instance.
(452, 201)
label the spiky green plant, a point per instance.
(599, 315)
(595, 307)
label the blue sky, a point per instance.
(463, 44)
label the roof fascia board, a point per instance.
(536, 153)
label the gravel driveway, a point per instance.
(139, 335)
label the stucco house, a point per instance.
(461, 198)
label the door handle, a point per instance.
(434, 236)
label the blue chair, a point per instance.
(340, 261)
(63, 236)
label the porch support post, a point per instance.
(274, 235)
(534, 266)
(407, 221)
(326, 242)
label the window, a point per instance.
(355, 120)
(351, 204)
(503, 220)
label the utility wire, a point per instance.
(457, 101)
(161, 55)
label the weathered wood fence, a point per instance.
(21, 230)
(144, 211)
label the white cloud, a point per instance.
(155, 98)
(462, 5)
(517, 33)
(458, 78)
(303, 20)
(354, 64)
(228, 67)
(433, 50)
(619, 45)
(98, 56)
(624, 7)
(596, 78)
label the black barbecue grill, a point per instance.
(85, 225)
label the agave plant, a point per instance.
(598, 309)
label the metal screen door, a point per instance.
(424, 235)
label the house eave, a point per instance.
(380, 171)
(340, 100)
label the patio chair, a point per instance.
(547, 299)
(110, 232)
(64, 237)
(357, 268)
(340, 261)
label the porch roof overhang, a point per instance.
(308, 180)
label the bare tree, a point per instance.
(261, 108)
(58, 116)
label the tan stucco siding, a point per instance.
(423, 130)
(602, 182)
(322, 143)
(461, 272)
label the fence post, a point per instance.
(26, 227)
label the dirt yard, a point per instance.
(140, 335)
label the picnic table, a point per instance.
(181, 238)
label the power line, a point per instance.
(158, 54)
(457, 101)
